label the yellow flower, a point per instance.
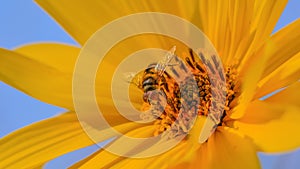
(240, 32)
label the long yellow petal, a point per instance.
(181, 153)
(283, 76)
(249, 82)
(161, 161)
(227, 24)
(104, 159)
(265, 16)
(281, 68)
(60, 56)
(274, 127)
(238, 28)
(226, 146)
(286, 45)
(82, 19)
(42, 141)
(43, 71)
(289, 96)
(210, 16)
(240, 15)
(38, 143)
(283, 47)
(253, 113)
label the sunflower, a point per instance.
(259, 63)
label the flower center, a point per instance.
(174, 103)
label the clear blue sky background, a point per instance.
(22, 21)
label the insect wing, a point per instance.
(161, 66)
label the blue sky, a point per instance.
(24, 22)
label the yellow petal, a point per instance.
(38, 143)
(289, 96)
(283, 45)
(42, 71)
(238, 28)
(181, 152)
(265, 16)
(211, 14)
(103, 158)
(96, 160)
(281, 67)
(227, 24)
(286, 45)
(226, 149)
(248, 82)
(37, 167)
(231, 149)
(161, 161)
(82, 19)
(284, 75)
(269, 113)
(272, 127)
(45, 71)
(239, 20)
(60, 56)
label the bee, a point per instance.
(153, 77)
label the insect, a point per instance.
(153, 77)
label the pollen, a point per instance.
(175, 103)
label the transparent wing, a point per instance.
(161, 65)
